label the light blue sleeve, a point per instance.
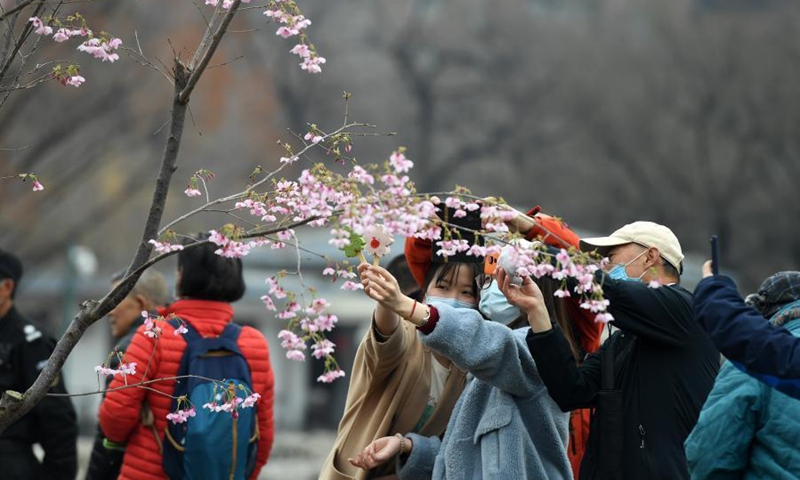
(718, 446)
(422, 458)
(492, 352)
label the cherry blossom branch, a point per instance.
(141, 384)
(14, 405)
(198, 64)
(243, 194)
(167, 169)
(18, 44)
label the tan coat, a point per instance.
(389, 388)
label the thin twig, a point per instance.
(17, 8)
(226, 63)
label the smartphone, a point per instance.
(714, 255)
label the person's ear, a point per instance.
(651, 257)
(142, 302)
(6, 287)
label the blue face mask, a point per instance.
(450, 302)
(494, 305)
(620, 272)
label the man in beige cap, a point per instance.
(650, 379)
(641, 250)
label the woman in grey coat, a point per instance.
(504, 426)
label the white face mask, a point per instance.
(494, 305)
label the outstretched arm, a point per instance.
(767, 352)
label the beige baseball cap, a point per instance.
(647, 234)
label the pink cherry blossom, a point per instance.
(312, 137)
(604, 318)
(83, 31)
(181, 416)
(286, 32)
(452, 202)
(317, 306)
(361, 176)
(399, 162)
(329, 271)
(301, 50)
(268, 302)
(180, 330)
(349, 285)
(75, 81)
(312, 64)
(192, 192)
(101, 49)
(62, 35)
(325, 323)
(150, 328)
(105, 370)
(290, 340)
(330, 376)
(128, 368)
(165, 247)
(561, 293)
(251, 400)
(322, 348)
(37, 187)
(296, 355)
(41, 28)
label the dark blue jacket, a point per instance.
(767, 352)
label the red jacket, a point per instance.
(120, 412)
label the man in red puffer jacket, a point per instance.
(206, 284)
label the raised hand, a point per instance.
(377, 453)
(382, 287)
(528, 298)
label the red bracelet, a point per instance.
(412, 310)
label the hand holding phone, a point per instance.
(714, 255)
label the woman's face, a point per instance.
(459, 284)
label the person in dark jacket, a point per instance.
(747, 430)
(24, 351)
(762, 349)
(664, 365)
(149, 293)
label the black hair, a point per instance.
(204, 275)
(671, 271)
(557, 310)
(400, 270)
(447, 272)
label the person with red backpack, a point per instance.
(197, 339)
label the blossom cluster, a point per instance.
(151, 328)
(292, 24)
(102, 47)
(232, 404)
(181, 415)
(165, 247)
(124, 369)
(229, 248)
